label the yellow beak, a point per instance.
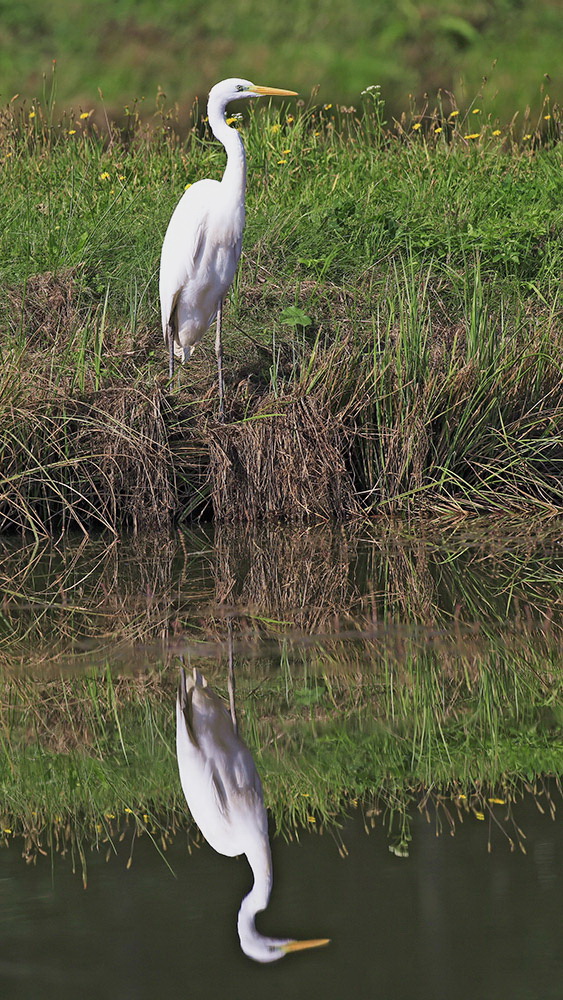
(302, 945)
(263, 91)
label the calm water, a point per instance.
(463, 631)
(452, 920)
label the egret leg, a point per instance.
(231, 680)
(219, 353)
(171, 355)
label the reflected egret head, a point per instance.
(266, 949)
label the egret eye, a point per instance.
(240, 87)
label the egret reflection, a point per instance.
(224, 793)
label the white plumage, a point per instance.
(224, 793)
(203, 241)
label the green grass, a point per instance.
(406, 282)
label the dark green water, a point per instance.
(452, 920)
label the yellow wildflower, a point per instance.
(72, 131)
(230, 120)
(281, 162)
(479, 815)
(473, 135)
(109, 815)
(275, 128)
(326, 107)
(145, 817)
(416, 126)
(104, 176)
(453, 114)
(497, 802)
(286, 151)
(439, 129)
(186, 186)
(547, 117)
(290, 119)
(311, 819)
(121, 177)
(496, 131)
(98, 827)
(85, 114)
(527, 136)
(31, 114)
(475, 111)
(6, 829)
(127, 809)
(462, 796)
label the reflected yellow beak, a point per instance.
(302, 945)
(263, 91)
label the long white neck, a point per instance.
(235, 171)
(254, 944)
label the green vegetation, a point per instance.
(396, 320)
(131, 49)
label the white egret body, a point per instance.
(203, 241)
(224, 793)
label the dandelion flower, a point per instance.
(479, 815)
(186, 186)
(311, 819)
(475, 111)
(6, 829)
(281, 162)
(290, 119)
(454, 114)
(416, 126)
(472, 135)
(497, 131)
(121, 177)
(498, 802)
(275, 127)
(232, 119)
(286, 151)
(104, 176)
(145, 818)
(72, 131)
(109, 815)
(86, 114)
(439, 129)
(528, 136)
(127, 809)
(547, 117)
(327, 107)
(31, 114)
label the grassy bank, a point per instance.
(395, 323)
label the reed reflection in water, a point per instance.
(224, 793)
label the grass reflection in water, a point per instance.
(375, 671)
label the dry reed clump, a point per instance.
(286, 462)
(48, 303)
(98, 460)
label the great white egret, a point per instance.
(203, 241)
(224, 793)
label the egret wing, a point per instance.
(183, 246)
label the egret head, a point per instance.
(235, 88)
